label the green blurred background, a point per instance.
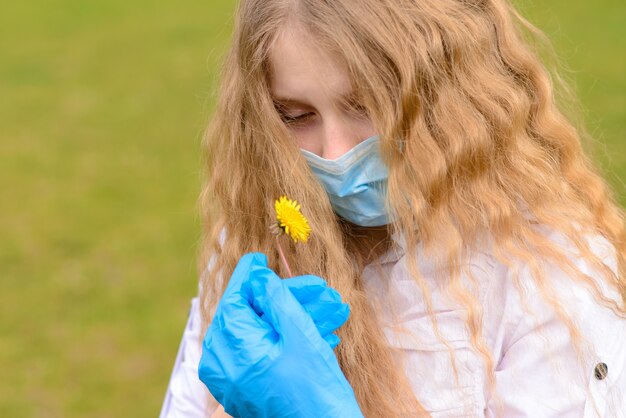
(102, 106)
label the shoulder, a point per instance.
(514, 286)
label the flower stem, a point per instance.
(282, 256)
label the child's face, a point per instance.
(308, 85)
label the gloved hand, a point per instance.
(262, 355)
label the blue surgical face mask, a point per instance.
(356, 183)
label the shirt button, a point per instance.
(601, 371)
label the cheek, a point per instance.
(308, 139)
(366, 134)
(363, 128)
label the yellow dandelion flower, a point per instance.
(291, 220)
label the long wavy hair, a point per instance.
(475, 143)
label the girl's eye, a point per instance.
(296, 119)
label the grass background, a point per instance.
(102, 105)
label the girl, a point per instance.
(452, 208)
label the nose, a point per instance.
(339, 138)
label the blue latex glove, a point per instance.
(262, 355)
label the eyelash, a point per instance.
(354, 108)
(295, 120)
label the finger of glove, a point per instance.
(322, 303)
(306, 288)
(269, 295)
(331, 317)
(327, 311)
(332, 340)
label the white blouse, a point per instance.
(537, 371)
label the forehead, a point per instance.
(299, 68)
